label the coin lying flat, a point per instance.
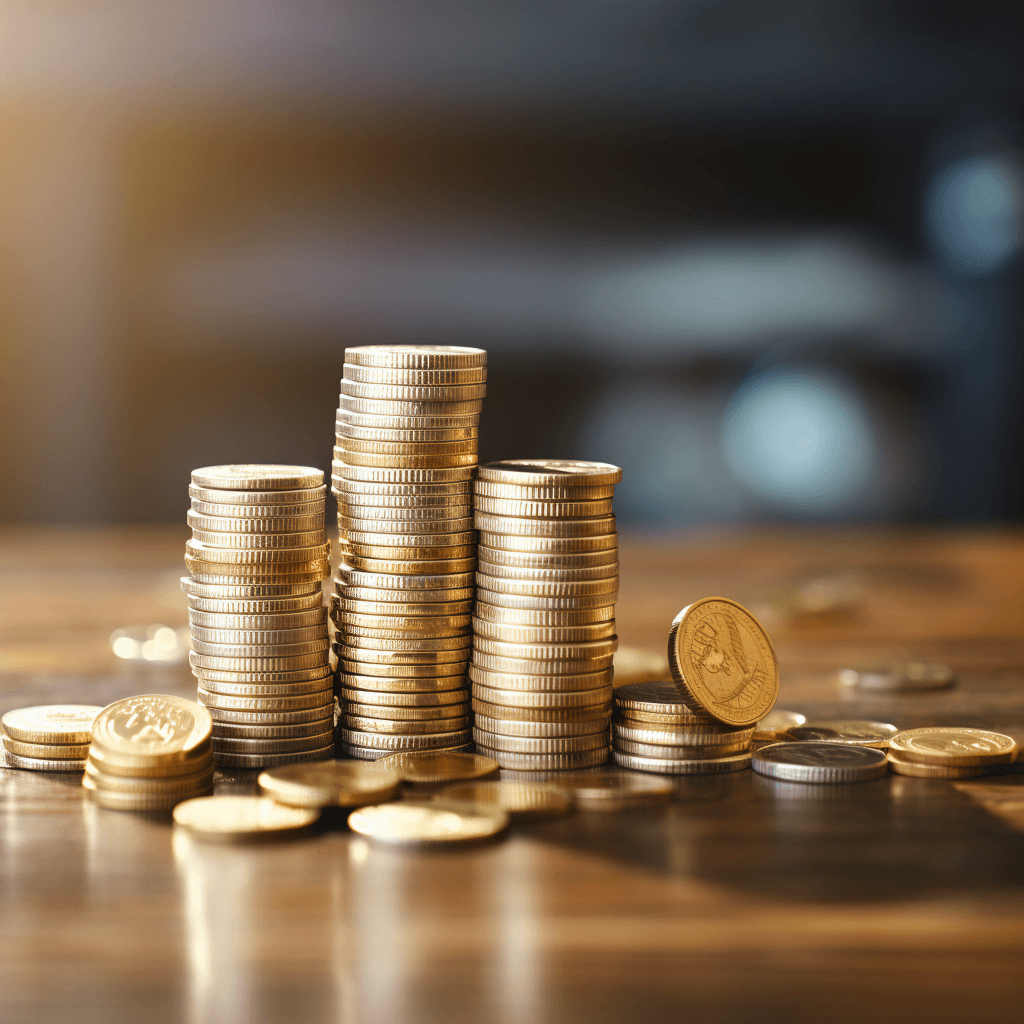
(434, 767)
(152, 727)
(46, 751)
(682, 766)
(51, 723)
(424, 824)
(935, 771)
(864, 734)
(330, 784)
(723, 661)
(416, 357)
(900, 677)
(616, 791)
(775, 722)
(948, 745)
(517, 761)
(257, 478)
(517, 799)
(233, 818)
(820, 762)
(633, 665)
(658, 698)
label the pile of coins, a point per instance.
(404, 459)
(258, 623)
(947, 752)
(51, 738)
(148, 753)
(544, 622)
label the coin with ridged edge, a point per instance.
(238, 477)
(700, 766)
(44, 765)
(562, 528)
(46, 751)
(525, 545)
(863, 734)
(820, 762)
(363, 723)
(541, 744)
(512, 727)
(291, 702)
(515, 761)
(259, 497)
(250, 761)
(264, 717)
(407, 699)
(683, 736)
(935, 771)
(543, 634)
(670, 752)
(272, 745)
(550, 472)
(329, 784)
(416, 376)
(416, 357)
(399, 713)
(141, 802)
(402, 684)
(540, 683)
(527, 699)
(228, 591)
(181, 786)
(51, 723)
(659, 698)
(586, 713)
(433, 767)
(409, 741)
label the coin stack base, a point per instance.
(260, 645)
(50, 738)
(405, 453)
(544, 622)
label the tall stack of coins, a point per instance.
(544, 621)
(405, 455)
(51, 738)
(260, 647)
(149, 752)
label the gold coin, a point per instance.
(367, 655)
(498, 573)
(39, 764)
(259, 498)
(495, 615)
(421, 623)
(181, 786)
(419, 482)
(616, 791)
(407, 699)
(860, 734)
(257, 517)
(200, 762)
(538, 682)
(251, 576)
(237, 541)
(278, 557)
(350, 445)
(491, 585)
(589, 650)
(542, 744)
(670, 752)
(419, 566)
(405, 602)
(293, 702)
(507, 712)
(272, 745)
(775, 722)
(415, 357)
(404, 583)
(220, 663)
(230, 818)
(657, 697)
(225, 590)
(433, 767)
(395, 713)
(412, 518)
(523, 666)
(494, 542)
(516, 761)
(283, 652)
(407, 461)
(935, 771)
(319, 670)
(225, 730)
(550, 473)
(424, 645)
(412, 533)
(683, 736)
(528, 699)
(402, 684)
(262, 717)
(633, 665)
(224, 759)
(360, 723)
(387, 670)
(545, 560)
(512, 727)
(152, 727)
(543, 509)
(561, 528)
(950, 745)
(411, 612)
(115, 800)
(450, 394)
(723, 661)
(251, 525)
(517, 799)
(329, 784)
(46, 751)
(51, 723)
(257, 607)
(416, 377)
(258, 478)
(698, 766)
(306, 619)
(272, 642)
(426, 825)
(522, 492)
(405, 741)
(494, 599)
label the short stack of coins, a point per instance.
(260, 648)
(404, 459)
(544, 620)
(51, 738)
(653, 730)
(148, 753)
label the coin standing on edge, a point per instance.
(820, 762)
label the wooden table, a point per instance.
(899, 899)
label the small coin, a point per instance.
(425, 434)
(244, 522)
(518, 602)
(398, 474)
(44, 765)
(499, 575)
(277, 559)
(935, 771)
(151, 728)
(550, 473)
(723, 662)
(250, 761)
(526, 800)
(556, 509)
(516, 761)
(543, 634)
(953, 746)
(407, 582)
(661, 698)
(413, 452)
(259, 498)
(820, 762)
(51, 723)
(616, 791)
(417, 377)
(405, 741)
(633, 665)
(775, 722)
(232, 818)
(508, 712)
(540, 683)
(434, 767)
(864, 734)
(400, 612)
(46, 751)
(906, 676)
(698, 766)
(673, 752)
(541, 744)
(421, 824)
(438, 625)
(257, 478)
(415, 357)
(257, 607)
(329, 784)
(367, 656)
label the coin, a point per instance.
(507, 712)
(51, 723)
(44, 764)
(405, 741)
(231, 818)
(152, 727)
(527, 699)
(290, 702)
(346, 429)
(269, 642)
(698, 766)
(240, 716)
(257, 478)
(935, 771)
(453, 516)
(527, 800)
(410, 565)
(775, 722)
(115, 800)
(329, 784)
(227, 759)
(543, 618)
(110, 765)
(276, 622)
(404, 727)
(541, 744)
(278, 543)
(258, 498)
(239, 516)
(521, 508)
(537, 683)
(200, 669)
(515, 761)
(434, 767)
(415, 357)
(180, 786)
(591, 650)
(257, 607)
(272, 745)
(524, 666)
(495, 541)
(416, 377)
(820, 762)
(656, 697)
(683, 736)
(550, 472)
(864, 734)
(387, 670)
(723, 661)
(46, 751)
(513, 727)
(421, 824)
(907, 676)
(497, 574)
(497, 599)
(398, 713)
(561, 528)
(950, 745)
(407, 699)
(227, 590)
(633, 665)
(616, 791)
(557, 492)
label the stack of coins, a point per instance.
(405, 455)
(949, 752)
(149, 752)
(544, 621)
(259, 626)
(654, 730)
(51, 738)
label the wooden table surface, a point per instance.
(747, 899)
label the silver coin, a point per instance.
(901, 677)
(820, 762)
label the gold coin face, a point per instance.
(723, 660)
(241, 817)
(330, 784)
(777, 721)
(518, 799)
(52, 723)
(953, 746)
(427, 767)
(421, 823)
(154, 725)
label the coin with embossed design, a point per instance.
(950, 745)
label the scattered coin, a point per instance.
(234, 818)
(434, 767)
(330, 784)
(425, 824)
(51, 723)
(775, 722)
(902, 677)
(517, 799)
(950, 745)
(864, 734)
(820, 762)
(682, 766)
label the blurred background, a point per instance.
(764, 256)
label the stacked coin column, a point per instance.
(405, 456)
(257, 557)
(544, 625)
